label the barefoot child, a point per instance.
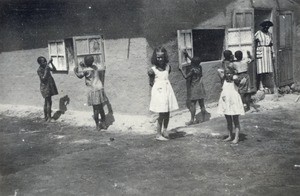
(197, 91)
(163, 99)
(96, 94)
(47, 85)
(230, 103)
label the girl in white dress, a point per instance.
(163, 99)
(230, 103)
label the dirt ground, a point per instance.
(68, 158)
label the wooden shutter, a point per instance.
(90, 45)
(243, 18)
(285, 47)
(57, 52)
(185, 42)
(242, 39)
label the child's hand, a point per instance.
(185, 53)
(51, 61)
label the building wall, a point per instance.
(126, 78)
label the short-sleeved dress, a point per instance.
(230, 102)
(96, 94)
(162, 95)
(196, 84)
(47, 86)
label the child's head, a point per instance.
(160, 56)
(229, 72)
(88, 60)
(42, 61)
(195, 61)
(227, 55)
(238, 55)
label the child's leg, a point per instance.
(96, 115)
(237, 126)
(159, 126)
(247, 100)
(102, 115)
(48, 107)
(192, 109)
(45, 110)
(166, 123)
(229, 127)
(202, 106)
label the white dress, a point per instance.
(162, 95)
(230, 102)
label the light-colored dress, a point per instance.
(264, 52)
(162, 95)
(230, 102)
(96, 94)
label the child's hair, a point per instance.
(195, 61)
(159, 50)
(238, 55)
(39, 59)
(227, 55)
(89, 60)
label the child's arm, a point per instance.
(151, 75)
(188, 75)
(53, 67)
(44, 75)
(186, 54)
(79, 75)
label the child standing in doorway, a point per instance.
(47, 85)
(196, 87)
(230, 103)
(163, 99)
(96, 95)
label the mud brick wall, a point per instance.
(126, 80)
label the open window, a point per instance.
(69, 52)
(207, 44)
(57, 52)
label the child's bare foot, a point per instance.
(49, 120)
(165, 134)
(189, 123)
(161, 138)
(235, 141)
(227, 139)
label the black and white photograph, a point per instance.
(149, 97)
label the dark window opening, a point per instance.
(208, 44)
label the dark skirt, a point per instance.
(243, 87)
(48, 88)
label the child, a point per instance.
(163, 99)
(243, 80)
(230, 103)
(227, 62)
(195, 84)
(47, 85)
(96, 94)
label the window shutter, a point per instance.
(243, 18)
(57, 52)
(185, 42)
(90, 45)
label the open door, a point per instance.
(285, 48)
(242, 39)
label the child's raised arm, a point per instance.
(79, 75)
(53, 68)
